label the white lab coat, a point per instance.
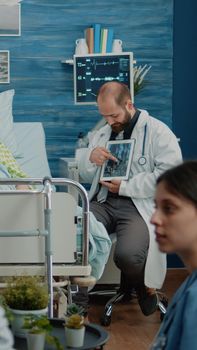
(161, 151)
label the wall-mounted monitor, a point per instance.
(93, 70)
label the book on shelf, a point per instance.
(104, 34)
(99, 40)
(110, 37)
(89, 35)
(97, 34)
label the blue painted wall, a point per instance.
(185, 75)
(44, 86)
(184, 83)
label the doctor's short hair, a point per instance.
(181, 180)
(119, 91)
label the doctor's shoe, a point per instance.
(147, 299)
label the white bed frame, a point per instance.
(38, 228)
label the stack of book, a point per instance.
(99, 40)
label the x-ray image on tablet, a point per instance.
(123, 151)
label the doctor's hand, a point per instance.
(100, 154)
(113, 186)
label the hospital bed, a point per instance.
(38, 226)
(111, 274)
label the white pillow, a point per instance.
(7, 134)
(32, 159)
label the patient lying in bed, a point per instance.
(9, 167)
(19, 137)
(100, 243)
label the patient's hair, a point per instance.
(182, 180)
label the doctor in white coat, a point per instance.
(126, 206)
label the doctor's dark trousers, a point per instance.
(119, 215)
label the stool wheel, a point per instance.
(105, 320)
(164, 303)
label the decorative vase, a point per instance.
(81, 47)
(75, 337)
(117, 46)
(18, 320)
(35, 341)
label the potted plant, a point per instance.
(73, 309)
(25, 295)
(39, 329)
(74, 326)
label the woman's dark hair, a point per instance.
(182, 180)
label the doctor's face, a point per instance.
(115, 115)
(175, 221)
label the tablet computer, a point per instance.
(123, 151)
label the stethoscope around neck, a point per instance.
(142, 160)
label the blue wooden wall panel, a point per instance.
(44, 86)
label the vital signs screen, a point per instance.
(93, 70)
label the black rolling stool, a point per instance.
(124, 292)
(127, 293)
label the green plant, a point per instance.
(26, 293)
(74, 309)
(8, 313)
(74, 321)
(74, 316)
(139, 73)
(41, 324)
(37, 324)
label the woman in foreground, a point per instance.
(175, 221)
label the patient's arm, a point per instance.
(12, 168)
(8, 160)
(23, 187)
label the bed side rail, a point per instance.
(46, 189)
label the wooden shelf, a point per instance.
(69, 61)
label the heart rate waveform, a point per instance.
(91, 71)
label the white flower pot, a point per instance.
(75, 337)
(35, 341)
(18, 320)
